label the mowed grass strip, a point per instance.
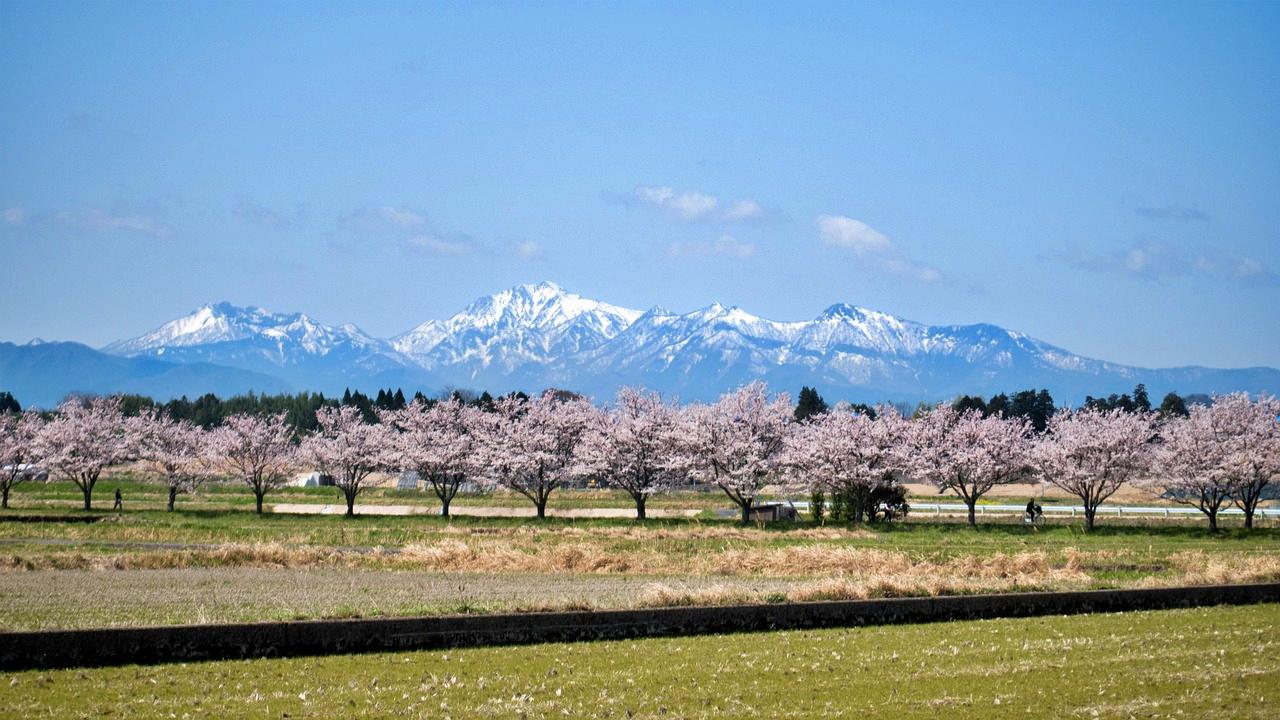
(1207, 662)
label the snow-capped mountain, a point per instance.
(305, 353)
(535, 336)
(287, 338)
(525, 327)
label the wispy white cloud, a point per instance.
(1160, 261)
(96, 220)
(744, 210)
(688, 205)
(13, 216)
(873, 247)
(384, 219)
(695, 205)
(855, 235)
(437, 245)
(529, 250)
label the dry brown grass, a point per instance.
(500, 556)
(496, 555)
(1200, 568)
(667, 595)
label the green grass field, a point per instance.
(211, 562)
(1209, 662)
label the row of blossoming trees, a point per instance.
(1221, 454)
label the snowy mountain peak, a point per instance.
(223, 322)
(542, 308)
(543, 304)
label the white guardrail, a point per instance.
(1156, 511)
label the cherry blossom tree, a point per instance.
(529, 445)
(348, 449)
(1190, 463)
(1249, 431)
(737, 443)
(84, 438)
(1091, 453)
(631, 446)
(174, 450)
(848, 454)
(19, 434)
(441, 442)
(258, 449)
(968, 454)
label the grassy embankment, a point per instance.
(1208, 662)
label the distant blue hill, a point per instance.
(42, 374)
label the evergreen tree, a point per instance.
(970, 402)
(9, 404)
(1140, 400)
(398, 403)
(864, 409)
(810, 404)
(1037, 407)
(1173, 406)
(998, 405)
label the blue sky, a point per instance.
(1105, 177)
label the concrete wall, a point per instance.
(120, 646)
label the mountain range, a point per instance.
(539, 335)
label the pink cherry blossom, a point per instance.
(530, 445)
(19, 435)
(736, 444)
(441, 442)
(968, 454)
(175, 450)
(1091, 453)
(260, 450)
(84, 438)
(632, 445)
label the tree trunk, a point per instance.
(1213, 520)
(973, 510)
(542, 508)
(351, 503)
(746, 513)
(444, 506)
(639, 507)
(258, 497)
(1089, 514)
(5, 503)
(1248, 516)
(173, 495)
(88, 497)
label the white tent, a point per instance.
(314, 478)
